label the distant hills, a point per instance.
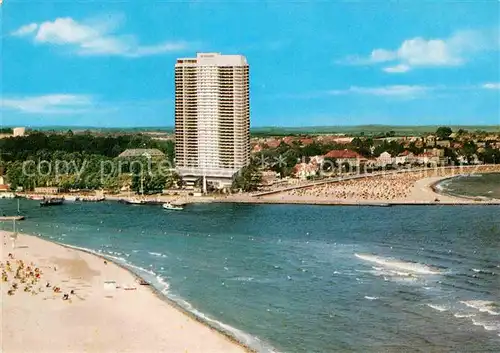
(276, 130)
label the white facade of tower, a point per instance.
(212, 116)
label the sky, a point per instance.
(312, 63)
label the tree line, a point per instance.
(70, 161)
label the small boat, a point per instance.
(52, 201)
(7, 195)
(70, 198)
(36, 197)
(92, 198)
(12, 218)
(133, 201)
(170, 206)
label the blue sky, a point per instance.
(104, 63)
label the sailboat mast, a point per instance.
(142, 184)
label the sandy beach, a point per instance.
(71, 301)
(411, 187)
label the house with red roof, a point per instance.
(306, 141)
(257, 148)
(3, 186)
(404, 158)
(289, 140)
(346, 156)
(305, 170)
(426, 158)
(273, 143)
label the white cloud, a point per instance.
(25, 30)
(96, 38)
(400, 68)
(382, 55)
(407, 91)
(51, 103)
(421, 52)
(491, 85)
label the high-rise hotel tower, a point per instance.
(212, 117)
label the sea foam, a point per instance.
(437, 307)
(483, 306)
(410, 267)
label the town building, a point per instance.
(212, 117)
(18, 131)
(142, 152)
(352, 158)
(46, 190)
(305, 170)
(405, 157)
(384, 159)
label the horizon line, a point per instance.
(254, 127)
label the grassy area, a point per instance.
(366, 129)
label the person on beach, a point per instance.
(13, 238)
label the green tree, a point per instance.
(248, 179)
(444, 132)
(468, 150)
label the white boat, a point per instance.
(7, 195)
(169, 206)
(133, 201)
(70, 198)
(92, 198)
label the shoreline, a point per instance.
(477, 199)
(155, 291)
(177, 313)
(279, 196)
(423, 193)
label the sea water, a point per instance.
(473, 185)
(297, 278)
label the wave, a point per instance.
(411, 267)
(142, 269)
(473, 175)
(163, 283)
(483, 306)
(242, 279)
(109, 254)
(458, 315)
(488, 326)
(396, 276)
(243, 337)
(484, 272)
(157, 254)
(438, 307)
